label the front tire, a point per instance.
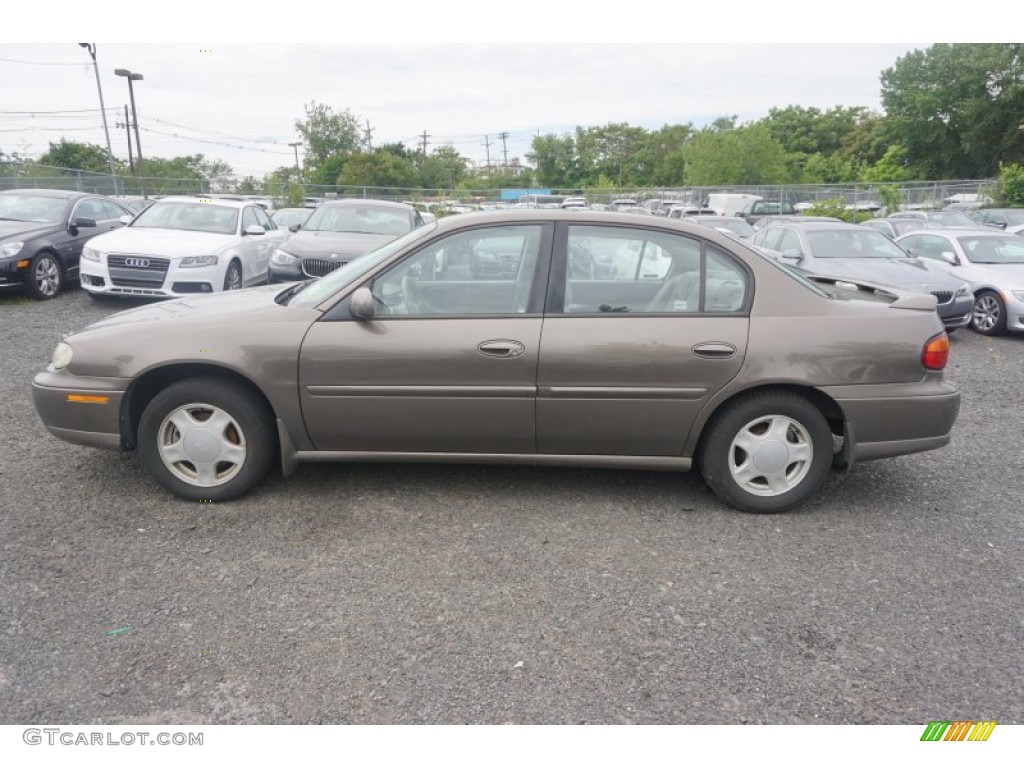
(767, 452)
(989, 315)
(45, 276)
(206, 439)
(233, 277)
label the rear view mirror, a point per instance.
(81, 221)
(125, 219)
(950, 257)
(361, 304)
(254, 229)
(792, 254)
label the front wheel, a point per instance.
(767, 452)
(45, 277)
(989, 316)
(206, 439)
(233, 277)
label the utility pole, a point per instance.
(131, 77)
(295, 145)
(91, 48)
(425, 137)
(487, 143)
(368, 134)
(128, 130)
(504, 148)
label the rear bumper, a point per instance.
(893, 420)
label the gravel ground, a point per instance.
(422, 594)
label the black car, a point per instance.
(42, 232)
(338, 232)
(755, 210)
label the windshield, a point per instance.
(951, 219)
(285, 218)
(862, 243)
(48, 210)
(321, 289)
(1008, 249)
(191, 217)
(1015, 218)
(737, 226)
(368, 219)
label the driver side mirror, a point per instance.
(254, 229)
(126, 219)
(792, 254)
(950, 257)
(294, 227)
(81, 221)
(361, 304)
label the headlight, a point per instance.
(62, 355)
(10, 249)
(963, 290)
(90, 254)
(1019, 295)
(283, 259)
(198, 261)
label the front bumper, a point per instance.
(66, 405)
(10, 274)
(956, 313)
(176, 282)
(1014, 312)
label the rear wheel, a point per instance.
(206, 439)
(989, 316)
(767, 452)
(45, 276)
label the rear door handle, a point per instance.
(501, 348)
(715, 350)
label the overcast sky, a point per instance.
(239, 101)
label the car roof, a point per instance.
(357, 201)
(964, 231)
(816, 226)
(59, 193)
(202, 198)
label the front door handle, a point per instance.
(501, 348)
(714, 350)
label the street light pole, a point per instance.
(91, 48)
(135, 119)
(298, 171)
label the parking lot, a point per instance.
(434, 594)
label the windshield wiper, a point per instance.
(285, 296)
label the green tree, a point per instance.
(614, 150)
(956, 108)
(746, 155)
(892, 166)
(75, 155)
(443, 168)
(554, 158)
(662, 156)
(325, 134)
(1011, 185)
(379, 169)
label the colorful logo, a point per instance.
(958, 730)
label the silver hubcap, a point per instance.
(770, 455)
(47, 276)
(201, 445)
(986, 313)
(234, 279)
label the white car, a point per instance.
(181, 246)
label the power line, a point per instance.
(208, 141)
(213, 132)
(46, 63)
(49, 111)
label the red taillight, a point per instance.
(936, 352)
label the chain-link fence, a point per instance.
(867, 196)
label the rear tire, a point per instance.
(206, 439)
(767, 452)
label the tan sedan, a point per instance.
(527, 337)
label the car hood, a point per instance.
(160, 242)
(907, 273)
(206, 308)
(1009, 277)
(323, 245)
(26, 229)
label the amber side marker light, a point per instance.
(101, 399)
(23, 264)
(936, 352)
